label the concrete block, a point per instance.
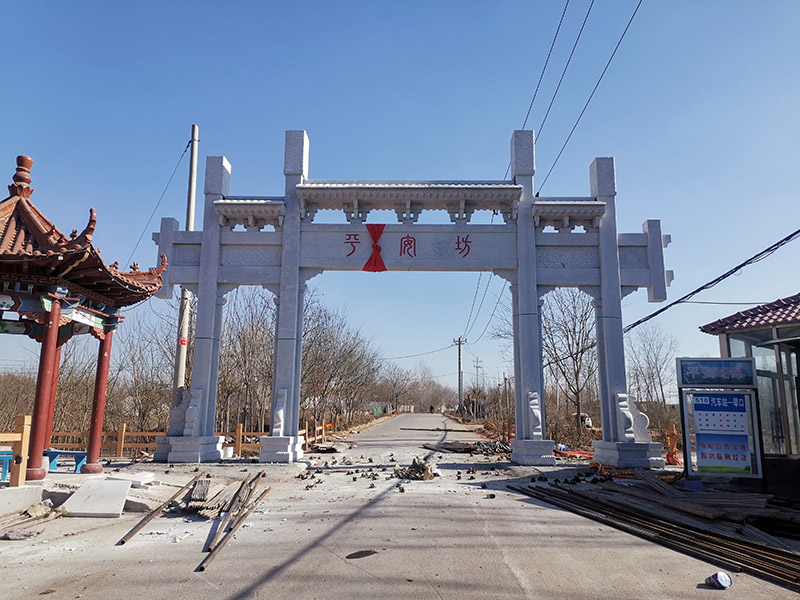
(629, 454)
(533, 452)
(281, 449)
(98, 498)
(15, 499)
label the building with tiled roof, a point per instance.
(770, 333)
(53, 287)
(781, 313)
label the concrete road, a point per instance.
(449, 538)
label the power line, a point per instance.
(585, 106)
(541, 75)
(683, 300)
(155, 208)
(725, 303)
(480, 306)
(496, 304)
(707, 286)
(564, 72)
(472, 308)
(420, 354)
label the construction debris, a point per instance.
(712, 525)
(485, 448)
(420, 469)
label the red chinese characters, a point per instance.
(463, 245)
(408, 246)
(351, 239)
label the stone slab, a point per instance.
(193, 449)
(137, 479)
(628, 454)
(15, 499)
(281, 449)
(98, 498)
(533, 452)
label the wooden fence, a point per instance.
(118, 443)
(19, 441)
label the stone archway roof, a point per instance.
(34, 250)
(785, 311)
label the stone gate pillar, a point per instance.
(284, 444)
(530, 447)
(191, 430)
(619, 445)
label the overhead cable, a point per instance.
(420, 354)
(707, 286)
(684, 299)
(585, 106)
(564, 72)
(155, 208)
(541, 75)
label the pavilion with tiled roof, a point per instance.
(770, 333)
(59, 286)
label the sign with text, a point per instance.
(720, 429)
(716, 372)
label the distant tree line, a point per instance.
(344, 377)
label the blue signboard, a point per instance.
(716, 372)
(720, 430)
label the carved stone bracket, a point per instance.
(624, 418)
(535, 415)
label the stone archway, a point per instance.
(583, 250)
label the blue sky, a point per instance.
(698, 108)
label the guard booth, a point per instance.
(769, 334)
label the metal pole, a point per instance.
(179, 373)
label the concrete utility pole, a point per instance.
(179, 372)
(460, 341)
(477, 364)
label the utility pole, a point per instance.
(179, 373)
(505, 390)
(477, 364)
(460, 341)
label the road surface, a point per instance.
(345, 539)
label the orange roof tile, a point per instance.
(32, 246)
(780, 312)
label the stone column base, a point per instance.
(533, 452)
(163, 448)
(629, 454)
(185, 449)
(283, 449)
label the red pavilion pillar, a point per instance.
(51, 409)
(44, 386)
(92, 464)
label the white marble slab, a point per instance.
(98, 498)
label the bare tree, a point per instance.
(568, 344)
(246, 358)
(651, 360)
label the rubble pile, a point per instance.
(420, 469)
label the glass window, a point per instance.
(771, 424)
(793, 416)
(765, 359)
(738, 348)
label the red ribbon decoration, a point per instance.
(375, 262)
